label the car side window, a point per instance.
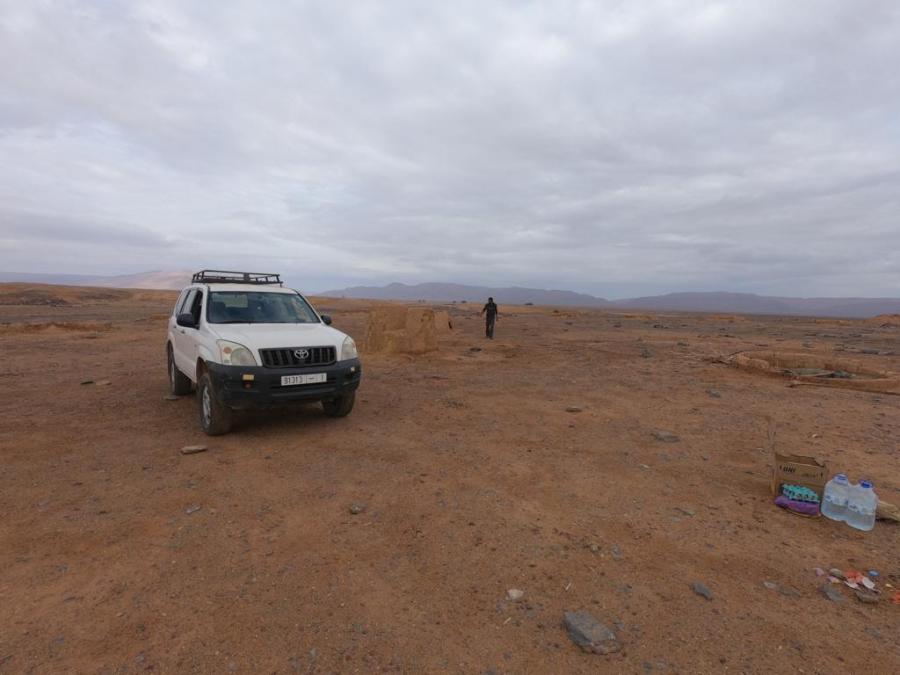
(180, 302)
(196, 306)
(187, 302)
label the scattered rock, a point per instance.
(594, 546)
(356, 508)
(665, 436)
(87, 382)
(702, 590)
(589, 634)
(686, 511)
(832, 593)
(771, 585)
(514, 594)
(615, 552)
(474, 349)
(868, 598)
(193, 449)
(573, 409)
(644, 466)
(712, 393)
(192, 509)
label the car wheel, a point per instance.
(340, 406)
(215, 416)
(179, 383)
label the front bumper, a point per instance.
(264, 389)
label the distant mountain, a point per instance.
(155, 280)
(60, 279)
(732, 303)
(149, 280)
(437, 292)
(748, 303)
(726, 303)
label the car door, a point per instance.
(183, 337)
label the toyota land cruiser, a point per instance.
(245, 341)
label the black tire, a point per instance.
(215, 416)
(340, 406)
(179, 383)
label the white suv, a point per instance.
(245, 341)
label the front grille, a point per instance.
(293, 357)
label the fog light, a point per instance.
(352, 369)
(249, 377)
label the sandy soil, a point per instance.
(475, 480)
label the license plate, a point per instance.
(312, 378)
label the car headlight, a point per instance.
(234, 354)
(348, 349)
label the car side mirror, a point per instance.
(326, 319)
(186, 320)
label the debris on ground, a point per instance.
(102, 383)
(832, 593)
(515, 594)
(356, 508)
(589, 634)
(573, 409)
(702, 590)
(87, 382)
(886, 511)
(665, 436)
(193, 449)
(866, 597)
(192, 509)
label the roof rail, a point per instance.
(226, 277)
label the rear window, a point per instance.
(258, 307)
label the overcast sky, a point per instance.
(617, 148)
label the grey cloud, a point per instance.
(611, 147)
(41, 227)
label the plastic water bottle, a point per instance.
(834, 501)
(861, 506)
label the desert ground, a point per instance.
(121, 555)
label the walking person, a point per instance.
(491, 314)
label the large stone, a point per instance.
(832, 593)
(702, 590)
(396, 328)
(589, 634)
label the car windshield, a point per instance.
(258, 307)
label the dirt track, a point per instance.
(475, 480)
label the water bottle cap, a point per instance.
(865, 484)
(841, 478)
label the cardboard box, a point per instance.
(799, 470)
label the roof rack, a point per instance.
(226, 277)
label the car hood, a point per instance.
(279, 335)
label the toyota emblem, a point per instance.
(301, 354)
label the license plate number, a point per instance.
(312, 378)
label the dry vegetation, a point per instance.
(471, 478)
